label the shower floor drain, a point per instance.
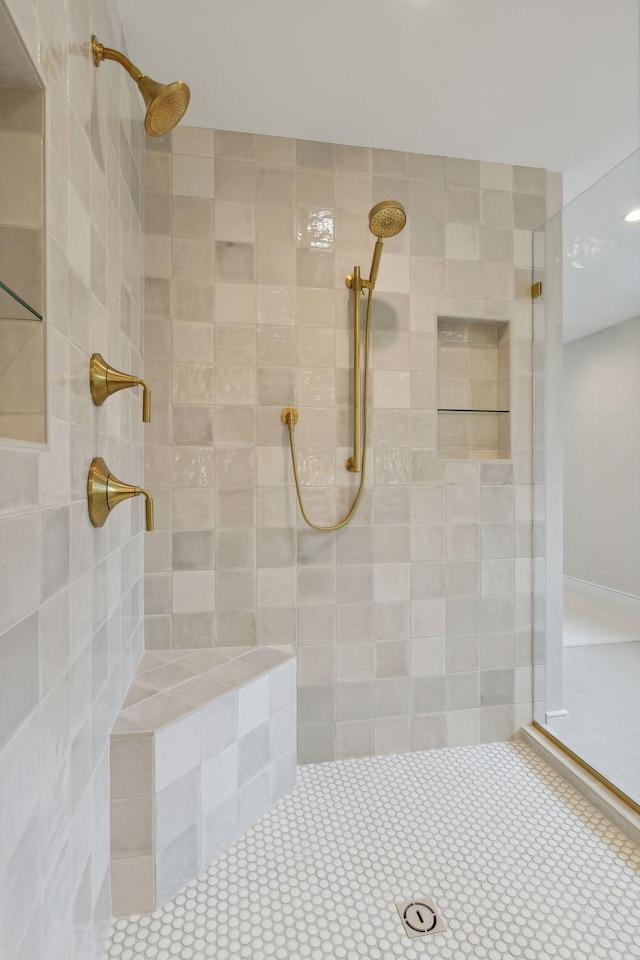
(419, 917)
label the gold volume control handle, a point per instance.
(106, 380)
(105, 491)
(148, 508)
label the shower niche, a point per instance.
(22, 288)
(474, 389)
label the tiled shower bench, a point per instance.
(205, 745)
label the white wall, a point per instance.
(602, 458)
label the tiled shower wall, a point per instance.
(413, 623)
(70, 596)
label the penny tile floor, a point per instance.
(518, 863)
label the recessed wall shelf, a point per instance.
(473, 389)
(13, 307)
(23, 376)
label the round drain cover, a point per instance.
(420, 916)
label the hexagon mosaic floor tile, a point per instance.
(518, 864)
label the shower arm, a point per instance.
(100, 53)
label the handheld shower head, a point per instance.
(387, 218)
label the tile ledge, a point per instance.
(128, 723)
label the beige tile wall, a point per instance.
(70, 596)
(412, 624)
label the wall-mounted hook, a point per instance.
(105, 491)
(106, 380)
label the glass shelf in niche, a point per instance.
(463, 410)
(13, 307)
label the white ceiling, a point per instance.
(552, 83)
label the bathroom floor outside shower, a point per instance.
(601, 684)
(602, 695)
(517, 862)
(589, 622)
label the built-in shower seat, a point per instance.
(203, 747)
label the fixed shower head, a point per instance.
(387, 218)
(166, 105)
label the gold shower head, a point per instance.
(387, 218)
(166, 105)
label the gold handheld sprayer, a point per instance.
(386, 219)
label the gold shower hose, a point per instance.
(291, 422)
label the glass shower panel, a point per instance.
(587, 477)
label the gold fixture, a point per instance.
(386, 219)
(289, 415)
(106, 380)
(354, 282)
(105, 491)
(536, 290)
(166, 105)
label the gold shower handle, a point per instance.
(148, 509)
(105, 491)
(106, 380)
